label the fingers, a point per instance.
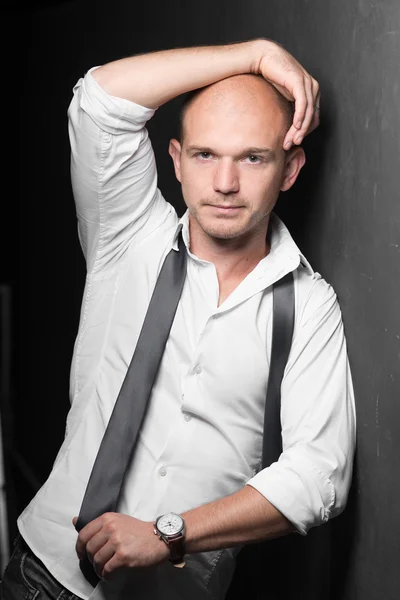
(102, 557)
(312, 118)
(307, 108)
(301, 103)
(96, 541)
(316, 116)
(306, 116)
(114, 562)
(95, 545)
(85, 535)
(288, 141)
(300, 98)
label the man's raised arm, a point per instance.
(155, 78)
(113, 170)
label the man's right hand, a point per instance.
(287, 75)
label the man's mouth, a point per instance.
(225, 208)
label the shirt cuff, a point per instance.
(303, 494)
(112, 114)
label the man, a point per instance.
(199, 450)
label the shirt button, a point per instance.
(198, 369)
(187, 417)
(162, 471)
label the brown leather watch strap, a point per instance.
(177, 550)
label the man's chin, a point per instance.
(222, 232)
(221, 228)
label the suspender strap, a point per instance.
(282, 332)
(119, 441)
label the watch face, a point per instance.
(170, 524)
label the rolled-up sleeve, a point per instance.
(113, 173)
(309, 483)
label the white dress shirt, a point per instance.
(202, 435)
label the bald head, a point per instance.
(240, 93)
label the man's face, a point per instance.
(231, 163)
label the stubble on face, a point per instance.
(233, 114)
(245, 222)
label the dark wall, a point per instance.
(352, 236)
(344, 212)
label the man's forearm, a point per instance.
(155, 78)
(241, 518)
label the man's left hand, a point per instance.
(113, 541)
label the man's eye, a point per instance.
(254, 159)
(204, 155)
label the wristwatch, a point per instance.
(171, 529)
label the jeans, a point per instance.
(26, 578)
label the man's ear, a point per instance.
(175, 150)
(295, 160)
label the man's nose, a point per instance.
(226, 178)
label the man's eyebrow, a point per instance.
(199, 149)
(254, 150)
(246, 151)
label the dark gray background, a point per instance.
(343, 212)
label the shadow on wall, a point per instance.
(344, 531)
(300, 206)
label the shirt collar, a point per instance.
(283, 246)
(283, 249)
(183, 225)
